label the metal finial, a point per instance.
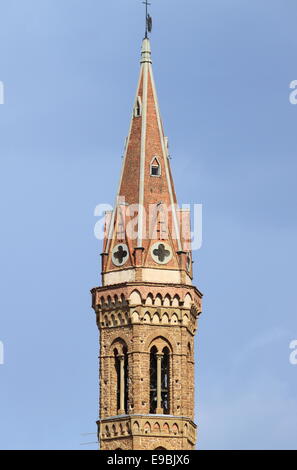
(148, 20)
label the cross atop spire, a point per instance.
(148, 20)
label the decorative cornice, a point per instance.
(146, 284)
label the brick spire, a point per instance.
(147, 308)
(146, 222)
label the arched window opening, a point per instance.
(165, 381)
(159, 381)
(121, 368)
(153, 380)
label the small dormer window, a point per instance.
(155, 170)
(138, 108)
(155, 167)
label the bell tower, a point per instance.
(147, 307)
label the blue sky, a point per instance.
(223, 69)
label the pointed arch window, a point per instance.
(138, 108)
(121, 367)
(159, 381)
(155, 169)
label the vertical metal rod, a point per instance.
(159, 409)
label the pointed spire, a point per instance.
(146, 183)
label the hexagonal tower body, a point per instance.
(147, 307)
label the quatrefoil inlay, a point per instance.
(120, 254)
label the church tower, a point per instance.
(147, 307)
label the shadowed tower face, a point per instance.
(147, 307)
